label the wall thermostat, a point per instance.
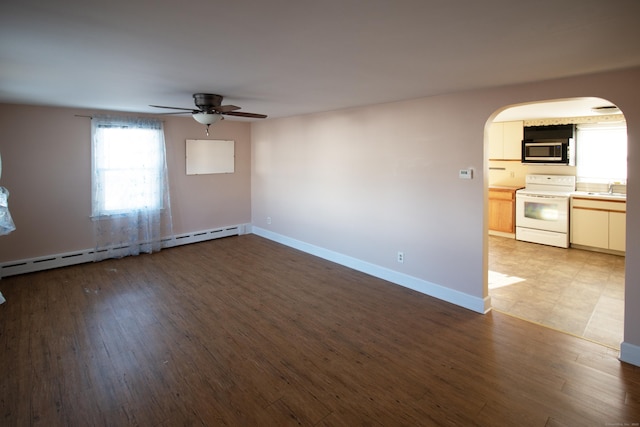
(465, 174)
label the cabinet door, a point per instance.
(590, 228)
(513, 133)
(617, 230)
(496, 150)
(501, 214)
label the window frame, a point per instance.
(581, 155)
(153, 167)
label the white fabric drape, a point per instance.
(131, 207)
(6, 222)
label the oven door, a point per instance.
(542, 212)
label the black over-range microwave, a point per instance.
(549, 145)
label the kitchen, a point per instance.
(557, 227)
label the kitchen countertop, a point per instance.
(505, 187)
(601, 196)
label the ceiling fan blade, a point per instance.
(173, 108)
(224, 108)
(241, 114)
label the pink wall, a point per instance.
(46, 158)
(359, 185)
(365, 182)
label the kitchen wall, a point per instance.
(359, 185)
(46, 165)
(512, 174)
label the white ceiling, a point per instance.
(286, 57)
(576, 107)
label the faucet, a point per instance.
(611, 188)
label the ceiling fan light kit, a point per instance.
(207, 118)
(210, 111)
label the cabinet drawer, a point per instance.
(501, 194)
(599, 204)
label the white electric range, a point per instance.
(542, 209)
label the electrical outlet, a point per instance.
(400, 257)
(268, 220)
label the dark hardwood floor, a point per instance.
(244, 331)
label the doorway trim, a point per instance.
(628, 352)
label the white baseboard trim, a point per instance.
(31, 265)
(479, 305)
(630, 353)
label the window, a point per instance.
(601, 151)
(128, 166)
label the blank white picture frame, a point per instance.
(209, 156)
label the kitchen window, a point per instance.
(601, 151)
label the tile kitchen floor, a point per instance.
(571, 290)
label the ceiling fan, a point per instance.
(210, 110)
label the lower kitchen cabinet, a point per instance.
(590, 227)
(598, 223)
(502, 209)
(617, 231)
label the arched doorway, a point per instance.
(579, 290)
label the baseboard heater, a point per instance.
(32, 265)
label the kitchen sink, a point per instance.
(607, 194)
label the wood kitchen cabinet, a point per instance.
(505, 140)
(502, 209)
(598, 223)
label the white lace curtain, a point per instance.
(131, 207)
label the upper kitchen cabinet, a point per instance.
(505, 140)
